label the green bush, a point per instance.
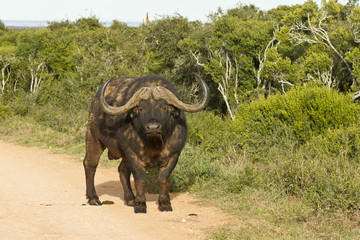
(21, 104)
(308, 144)
(303, 112)
(195, 167)
(4, 111)
(336, 179)
(210, 131)
(305, 143)
(248, 177)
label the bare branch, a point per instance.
(36, 69)
(356, 95)
(196, 55)
(263, 59)
(356, 32)
(324, 77)
(223, 92)
(236, 80)
(283, 81)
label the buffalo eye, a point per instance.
(174, 111)
(170, 108)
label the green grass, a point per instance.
(25, 131)
(271, 214)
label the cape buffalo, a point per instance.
(142, 121)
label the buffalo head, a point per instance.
(154, 110)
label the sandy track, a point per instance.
(42, 197)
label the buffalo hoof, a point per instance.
(129, 199)
(95, 202)
(140, 209)
(129, 203)
(165, 208)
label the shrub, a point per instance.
(195, 167)
(248, 177)
(21, 104)
(303, 112)
(211, 131)
(306, 143)
(4, 111)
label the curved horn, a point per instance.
(142, 93)
(161, 92)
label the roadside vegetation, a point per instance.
(278, 146)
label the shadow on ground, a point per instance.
(114, 188)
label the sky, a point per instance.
(125, 11)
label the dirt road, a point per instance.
(42, 197)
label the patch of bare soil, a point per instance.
(42, 196)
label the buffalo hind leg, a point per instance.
(124, 174)
(94, 149)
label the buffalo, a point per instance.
(142, 121)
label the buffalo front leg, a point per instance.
(91, 195)
(164, 184)
(140, 179)
(140, 186)
(91, 161)
(124, 174)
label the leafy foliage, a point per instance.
(305, 111)
(4, 110)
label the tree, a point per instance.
(6, 69)
(223, 67)
(278, 70)
(262, 59)
(318, 67)
(163, 39)
(353, 57)
(7, 62)
(310, 25)
(2, 26)
(29, 52)
(237, 38)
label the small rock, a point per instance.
(107, 202)
(46, 204)
(183, 220)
